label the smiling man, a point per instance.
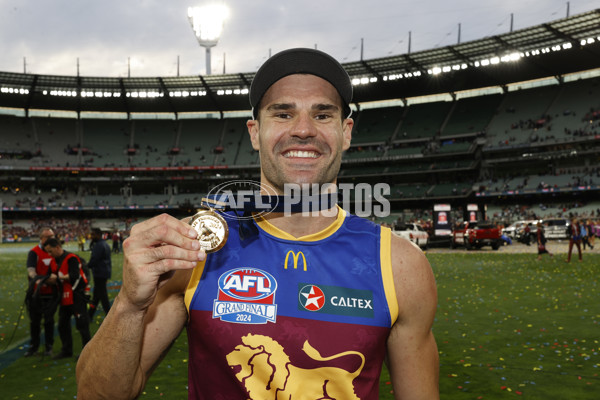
(308, 307)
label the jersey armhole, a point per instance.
(193, 284)
(387, 274)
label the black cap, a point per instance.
(300, 61)
(52, 242)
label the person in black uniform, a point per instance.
(42, 295)
(74, 301)
(101, 265)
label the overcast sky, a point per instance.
(52, 34)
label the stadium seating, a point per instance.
(449, 189)
(518, 114)
(472, 114)
(376, 125)
(234, 134)
(107, 140)
(154, 140)
(199, 140)
(402, 191)
(423, 120)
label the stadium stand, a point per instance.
(424, 120)
(199, 141)
(153, 142)
(506, 134)
(107, 141)
(520, 113)
(376, 125)
(472, 115)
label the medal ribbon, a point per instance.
(261, 203)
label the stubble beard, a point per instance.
(277, 177)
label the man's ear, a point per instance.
(347, 125)
(253, 131)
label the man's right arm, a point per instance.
(148, 313)
(31, 264)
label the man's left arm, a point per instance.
(412, 357)
(73, 274)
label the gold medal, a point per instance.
(212, 230)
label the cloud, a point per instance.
(53, 33)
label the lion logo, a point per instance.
(265, 370)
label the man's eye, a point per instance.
(283, 115)
(322, 116)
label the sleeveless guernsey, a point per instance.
(278, 317)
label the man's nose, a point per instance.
(304, 126)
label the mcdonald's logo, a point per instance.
(295, 257)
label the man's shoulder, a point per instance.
(407, 256)
(356, 222)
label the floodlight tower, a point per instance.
(207, 23)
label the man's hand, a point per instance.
(155, 249)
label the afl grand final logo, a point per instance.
(246, 296)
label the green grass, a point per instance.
(507, 326)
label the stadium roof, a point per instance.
(552, 49)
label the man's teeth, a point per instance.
(302, 154)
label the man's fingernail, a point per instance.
(192, 233)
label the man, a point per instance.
(574, 239)
(307, 307)
(541, 241)
(101, 265)
(73, 301)
(42, 296)
(116, 240)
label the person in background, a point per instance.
(81, 241)
(593, 230)
(574, 239)
(541, 241)
(73, 301)
(101, 265)
(42, 296)
(586, 234)
(116, 242)
(527, 234)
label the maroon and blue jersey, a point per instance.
(278, 317)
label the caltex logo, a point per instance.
(312, 298)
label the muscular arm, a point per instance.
(412, 351)
(147, 315)
(31, 264)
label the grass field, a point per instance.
(507, 326)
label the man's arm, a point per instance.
(95, 256)
(31, 264)
(148, 313)
(413, 358)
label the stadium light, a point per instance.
(207, 23)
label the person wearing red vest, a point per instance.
(42, 294)
(73, 301)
